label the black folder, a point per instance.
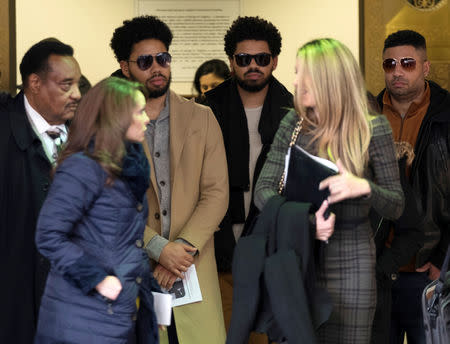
(303, 178)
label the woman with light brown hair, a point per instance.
(336, 125)
(92, 223)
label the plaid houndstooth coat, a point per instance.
(348, 271)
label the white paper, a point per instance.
(287, 158)
(162, 304)
(198, 28)
(321, 161)
(186, 290)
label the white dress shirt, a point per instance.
(41, 126)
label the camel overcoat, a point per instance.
(199, 200)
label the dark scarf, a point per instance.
(136, 170)
(228, 107)
(267, 127)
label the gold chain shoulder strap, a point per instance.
(294, 136)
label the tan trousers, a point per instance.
(226, 290)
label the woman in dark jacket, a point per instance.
(92, 223)
(331, 99)
(209, 75)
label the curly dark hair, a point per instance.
(135, 30)
(405, 37)
(244, 28)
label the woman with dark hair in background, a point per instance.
(209, 75)
(92, 223)
(332, 101)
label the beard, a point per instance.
(407, 93)
(154, 92)
(252, 85)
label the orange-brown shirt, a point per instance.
(406, 129)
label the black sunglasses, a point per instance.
(407, 63)
(144, 62)
(261, 59)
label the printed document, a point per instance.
(186, 290)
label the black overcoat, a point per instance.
(24, 181)
(227, 106)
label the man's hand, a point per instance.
(110, 287)
(175, 257)
(344, 185)
(433, 272)
(164, 277)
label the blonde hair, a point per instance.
(340, 124)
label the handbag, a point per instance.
(298, 127)
(300, 180)
(436, 307)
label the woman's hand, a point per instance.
(344, 185)
(110, 287)
(324, 228)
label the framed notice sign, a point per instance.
(198, 29)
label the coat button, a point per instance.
(162, 183)
(157, 154)
(157, 216)
(394, 277)
(139, 207)
(164, 212)
(139, 280)
(139, 243)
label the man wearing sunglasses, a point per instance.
(188, 194)
(249, 107)
(411, 250)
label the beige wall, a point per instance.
(88, 25)
(300, 21)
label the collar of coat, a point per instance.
(439, 109)
(180, 118)
(21, 129)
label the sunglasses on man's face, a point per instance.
(407, 63)
(144, 62)
(261, 59)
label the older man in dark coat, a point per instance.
(32, 128)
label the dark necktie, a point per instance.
(55, 135)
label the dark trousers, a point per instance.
(382, 320)
(172, 332)
(406, 315)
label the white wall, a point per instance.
(88, 25)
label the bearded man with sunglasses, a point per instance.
(249, 107)
(410, 251)
(188, 195)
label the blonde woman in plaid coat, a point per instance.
(331, 99)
